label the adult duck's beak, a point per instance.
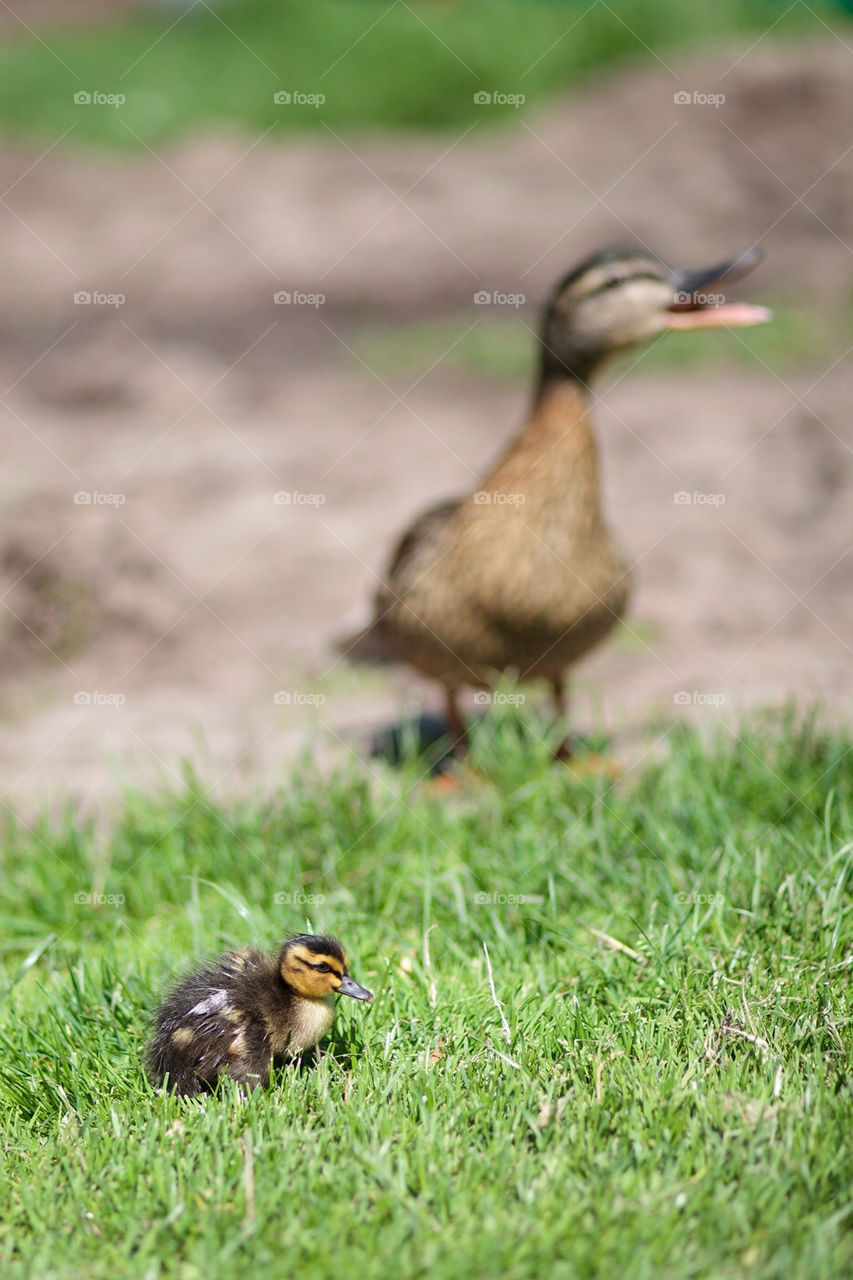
(349, 988)
(700, 298)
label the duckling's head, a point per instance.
(624, 296)
(315, 967)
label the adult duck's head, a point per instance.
(625, 296)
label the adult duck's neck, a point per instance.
(553, 460)
(561, 411)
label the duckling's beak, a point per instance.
(700, 302)
(350, 988)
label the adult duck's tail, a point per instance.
(364, 647)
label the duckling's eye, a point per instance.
(322, 967)
(613, 282)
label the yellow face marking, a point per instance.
(313, 975)
(182, 1037)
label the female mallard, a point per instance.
(522, 576)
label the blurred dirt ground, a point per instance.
(195, 598)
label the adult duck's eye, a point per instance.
(613, 282)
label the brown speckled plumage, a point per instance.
(234, 1017)
(529, 583)
(522, 576)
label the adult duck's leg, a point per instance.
(589, 762)
(456, 730)
(560, 703)
(456, 736)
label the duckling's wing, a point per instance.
(196, 1024)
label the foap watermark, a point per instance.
(94, 498)
(700, 899)
(96, 698)
(96, 98)
(506, 899)
(298, 98)
(699, 299)
(488, 298)
(494, 497)
(95, 298)
(696, 698)
(497, 98)
(295, 498)
(85, 899)
(294, 698)
(293, 298)
(484, 697)
(694, 499)
(299, 899)
(697, 98)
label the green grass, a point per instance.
(504, 346)
(417, 65)
(617, 1123)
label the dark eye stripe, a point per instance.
(323, 966)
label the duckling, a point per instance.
(234, 1017)
(522, 576)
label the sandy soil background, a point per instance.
(182, 604)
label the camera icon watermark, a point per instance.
(487, 298)
(293, 298)
(294, 698)
(684, 499)
(497, 698)
(95, 98)
(296, 98)
(698, 299)
(94, 498)
(486, 497)
(297, 898)
(95, 298)
(695, 698)
(506, 899)
(294, 498)
(700, 899)
(696, 98)
(497, 98)
(95, 698)
(86, 899)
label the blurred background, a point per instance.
(242, 243)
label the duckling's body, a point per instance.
(236, 1016)
(522, 576)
